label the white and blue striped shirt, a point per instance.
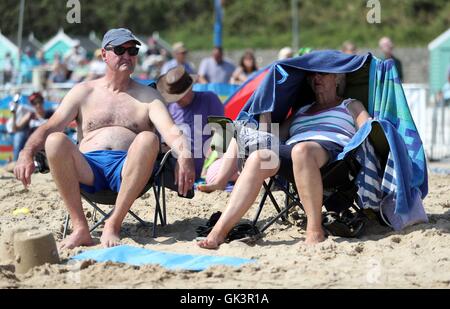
(335, 124)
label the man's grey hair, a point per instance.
(340, 84)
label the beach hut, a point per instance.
(32, 43)
(88, 43)
(7, 46)
(439, 61)
(60, 44)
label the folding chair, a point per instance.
(162, 178)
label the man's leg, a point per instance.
(308, 158)
(69, 168)
(136, 172)
(226, 171)
(256, 170)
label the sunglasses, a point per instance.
(120, 50)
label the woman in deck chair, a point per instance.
(314, 136)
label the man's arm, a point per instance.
(174, 137)
(66, 112)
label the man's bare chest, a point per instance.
(115, 113)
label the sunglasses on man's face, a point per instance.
(120, 50)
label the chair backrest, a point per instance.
(357, 86)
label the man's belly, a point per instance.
(107, 138)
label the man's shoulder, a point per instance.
(147, 94)
(206, 95)
(83, 88)
(210, 98)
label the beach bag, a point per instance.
(250, 139)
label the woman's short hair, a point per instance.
(340, 84)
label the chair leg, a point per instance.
(280, 215)
(262, 202)
(157, 211)
(164, 215)
(137, 218)
(96, 225)
(66, 225)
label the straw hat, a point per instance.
(175, 84)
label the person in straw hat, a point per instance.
(190, 109)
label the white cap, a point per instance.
(285, 53)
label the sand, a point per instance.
(417, 257)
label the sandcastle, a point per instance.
(27, 248)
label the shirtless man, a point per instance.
(116, 118)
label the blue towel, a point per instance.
(393, 189)
(174, 261)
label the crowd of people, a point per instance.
(79, 65)
(116, 135)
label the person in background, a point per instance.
(97, 67)
(76, 57)
(27, 64)
(8, 68)
(349, 48)
(153, 60)
(180, 58)
(186, 106)
(246, 67)
(215, 69)
(387, 48)
(58, 71)
(285, 53)
(25, 120)
(443, 96)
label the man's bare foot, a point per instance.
(211, 242)
(78, 238)
(211, 187)
(314, 237)
(110, 236)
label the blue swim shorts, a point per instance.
(107, 168)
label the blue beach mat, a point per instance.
(174, 261)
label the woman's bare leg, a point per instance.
(259, 166)
(227, 170)
(308, 158)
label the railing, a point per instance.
(432, 120)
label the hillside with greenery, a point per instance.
(247, 23)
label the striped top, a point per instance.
(335, 124)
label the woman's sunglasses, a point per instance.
(120, 50)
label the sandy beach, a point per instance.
(417, 257)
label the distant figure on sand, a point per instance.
(117, 119)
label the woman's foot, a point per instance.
(211, 242)
(314, 237)
(211, 187)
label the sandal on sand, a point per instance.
(345, 224)
(243, 231)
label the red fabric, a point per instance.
(237, 102)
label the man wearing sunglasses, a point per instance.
(117, 120)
